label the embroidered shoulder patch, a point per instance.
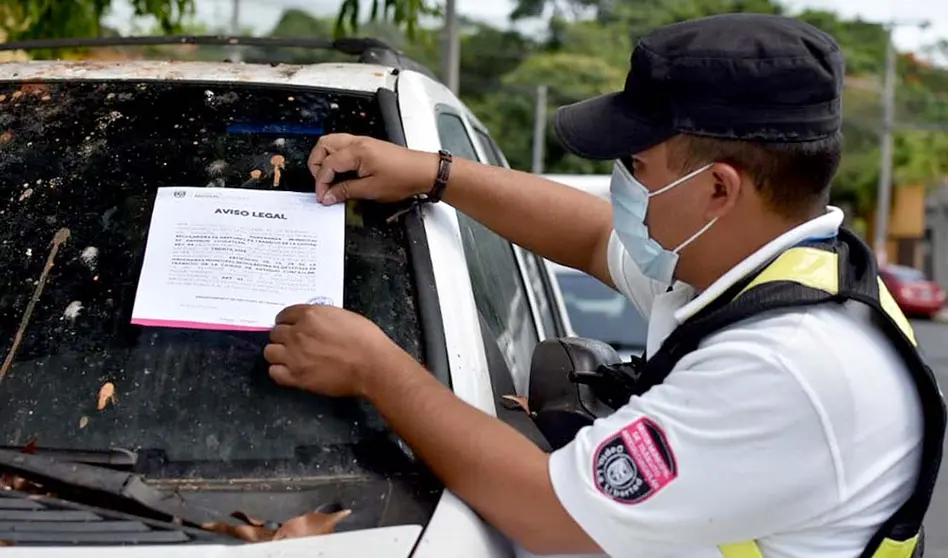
(635, 463)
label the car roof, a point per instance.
(345, 76)
(557, 268)
(597, 184)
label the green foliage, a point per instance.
(48, 19)
(403, 13)
(585, 53)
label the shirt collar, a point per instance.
(823, 226)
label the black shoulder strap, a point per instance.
(906, 522)
(860, 295)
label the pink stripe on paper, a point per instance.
(196, 325)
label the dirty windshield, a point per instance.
(80, 164)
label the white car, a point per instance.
(194, 419)
(595, 310)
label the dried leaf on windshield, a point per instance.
(106, 395)
(255, 530)
(6, 543)
(83, 422)
(278, 161)
(311, 524)
(247, 519)
(519, 400)
(18, 484)
(247, 533)
(30, 446)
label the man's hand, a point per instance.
(386, 172)
(499, 472)
(325, 350)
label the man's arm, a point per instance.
(560, 223)
(563, 224)
(658, 477)
(501, 474)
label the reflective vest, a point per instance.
(839, 270)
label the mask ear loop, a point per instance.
(685, 178)
(695, 236)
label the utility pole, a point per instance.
(884, 194)
(235, 52)
(451, 55)
(539, 129)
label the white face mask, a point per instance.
(630, 204)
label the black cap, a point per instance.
(751, 77)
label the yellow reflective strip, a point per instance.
(892, 309)
(747, 549)
(896, 549)
(887, 549)
(810, 267)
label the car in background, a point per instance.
(597, 311)
(597, 184)
(915, 293)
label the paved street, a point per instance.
(933, 338)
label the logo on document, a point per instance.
(321, 300)
(180, 193)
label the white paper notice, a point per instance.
(231, 259)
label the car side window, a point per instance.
(543, 298)
(500, 296)
(499, 291)
(454, 136)
(490, 149)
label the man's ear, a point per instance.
(727, 182)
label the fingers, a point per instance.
(281, 374)
(333, 165)
(281, 334)
(326, 145)
(292, 314)
(276, 353)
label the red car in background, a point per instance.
(913, 292)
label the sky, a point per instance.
(262, 15)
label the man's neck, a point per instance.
(713, 264)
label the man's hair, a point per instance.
(793, 178)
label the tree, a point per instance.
(509, 111)
(49, 19)
(403, 13)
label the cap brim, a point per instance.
(602, 128)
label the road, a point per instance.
(933, 339)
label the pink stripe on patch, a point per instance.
(196, 325)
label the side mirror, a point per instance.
(559, 399)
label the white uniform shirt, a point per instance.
(800, 429)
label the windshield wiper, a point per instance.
(104, 488)
(113, 458)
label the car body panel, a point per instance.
(351, 77)
(384, 542)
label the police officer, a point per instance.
(795, 428)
